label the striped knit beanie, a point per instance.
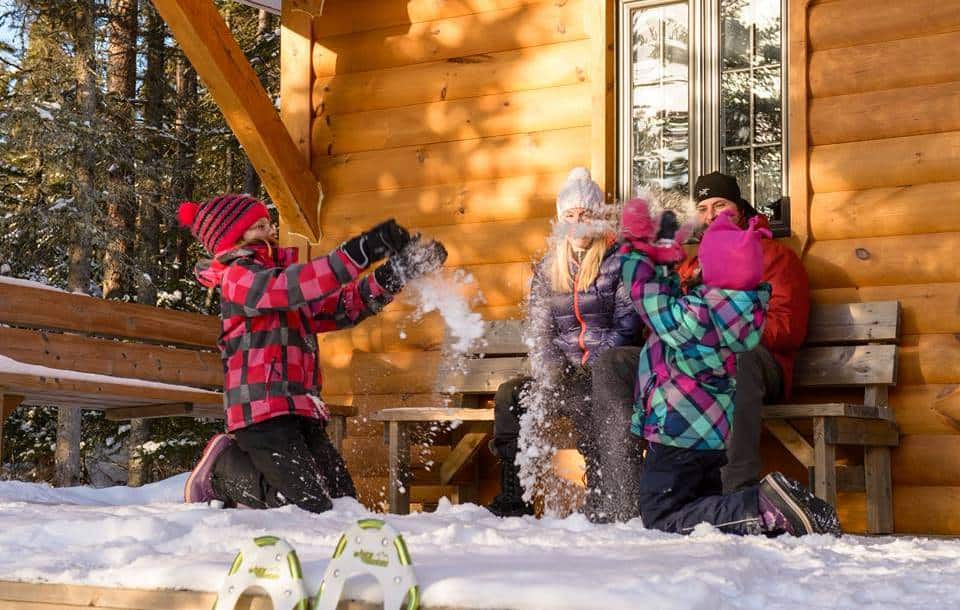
(221, 222)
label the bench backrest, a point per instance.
(851, 344)
(61, 330)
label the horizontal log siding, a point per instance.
(884, 130)
(461, 119)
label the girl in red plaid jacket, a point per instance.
(276, 451)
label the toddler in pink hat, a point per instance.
(731, 257)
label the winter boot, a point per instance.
(199, 487)
(596, 504)
(787, 506)
(509, 502)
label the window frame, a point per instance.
(704, 143)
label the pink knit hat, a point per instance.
(730, 257)
(221, 222)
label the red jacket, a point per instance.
(789, 309)
(270, 310)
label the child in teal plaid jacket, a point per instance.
(686, 382)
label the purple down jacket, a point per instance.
(574, 328)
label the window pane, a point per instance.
(751, 100)
(660, 90)
(737, 164)
(767, 39)
(735, 108)
(769, 175)
(735, 33)
(767, 106)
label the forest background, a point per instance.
(104, 130)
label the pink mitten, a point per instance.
(636, 224)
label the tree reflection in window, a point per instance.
(751, 102)
(659, 110)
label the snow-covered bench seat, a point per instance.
(130, 361)
(848, 346)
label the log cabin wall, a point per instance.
(461, 119)
(883, 86)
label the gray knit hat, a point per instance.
(580, 191)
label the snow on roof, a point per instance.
(465, 557)
(269, 5)
(9, 365)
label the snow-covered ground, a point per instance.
(465, 557)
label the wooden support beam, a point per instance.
(170, 409)
(879, 486)
(337, 431)
(398, 492)
(467, 447)
(219, 61)
(824, 463)
(792, 440)
(8, 402)
(863, 432)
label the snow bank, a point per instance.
(467, 558)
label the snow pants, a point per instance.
(284, 460)
(611, 452)
(571, 398)
(681, 488)
(759, 381)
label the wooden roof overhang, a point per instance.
(281, 162)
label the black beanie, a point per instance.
(716, 184)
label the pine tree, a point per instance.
(121, 194)
(80, 250)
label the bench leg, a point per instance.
(8, 402)
(337, 431)
(398, 489)
(876, 461)
(824, 463)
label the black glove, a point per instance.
(416, 259)
(669, 225)
(385, 239)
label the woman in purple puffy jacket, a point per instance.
(578, 308)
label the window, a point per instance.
(702, 86)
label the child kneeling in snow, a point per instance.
(271, 308)
(685, 384)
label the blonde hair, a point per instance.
(558, 264)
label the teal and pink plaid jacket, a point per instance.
(685, 383)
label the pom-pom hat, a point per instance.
(221, 222)
(730, 257)
(580, 191)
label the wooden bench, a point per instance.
(847, 346)
(130, 361)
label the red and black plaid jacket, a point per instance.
(270, 309)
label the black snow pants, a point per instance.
(603, 438)
(680, 488)
(284, 460)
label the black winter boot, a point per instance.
(788, 506)
(509, 502)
